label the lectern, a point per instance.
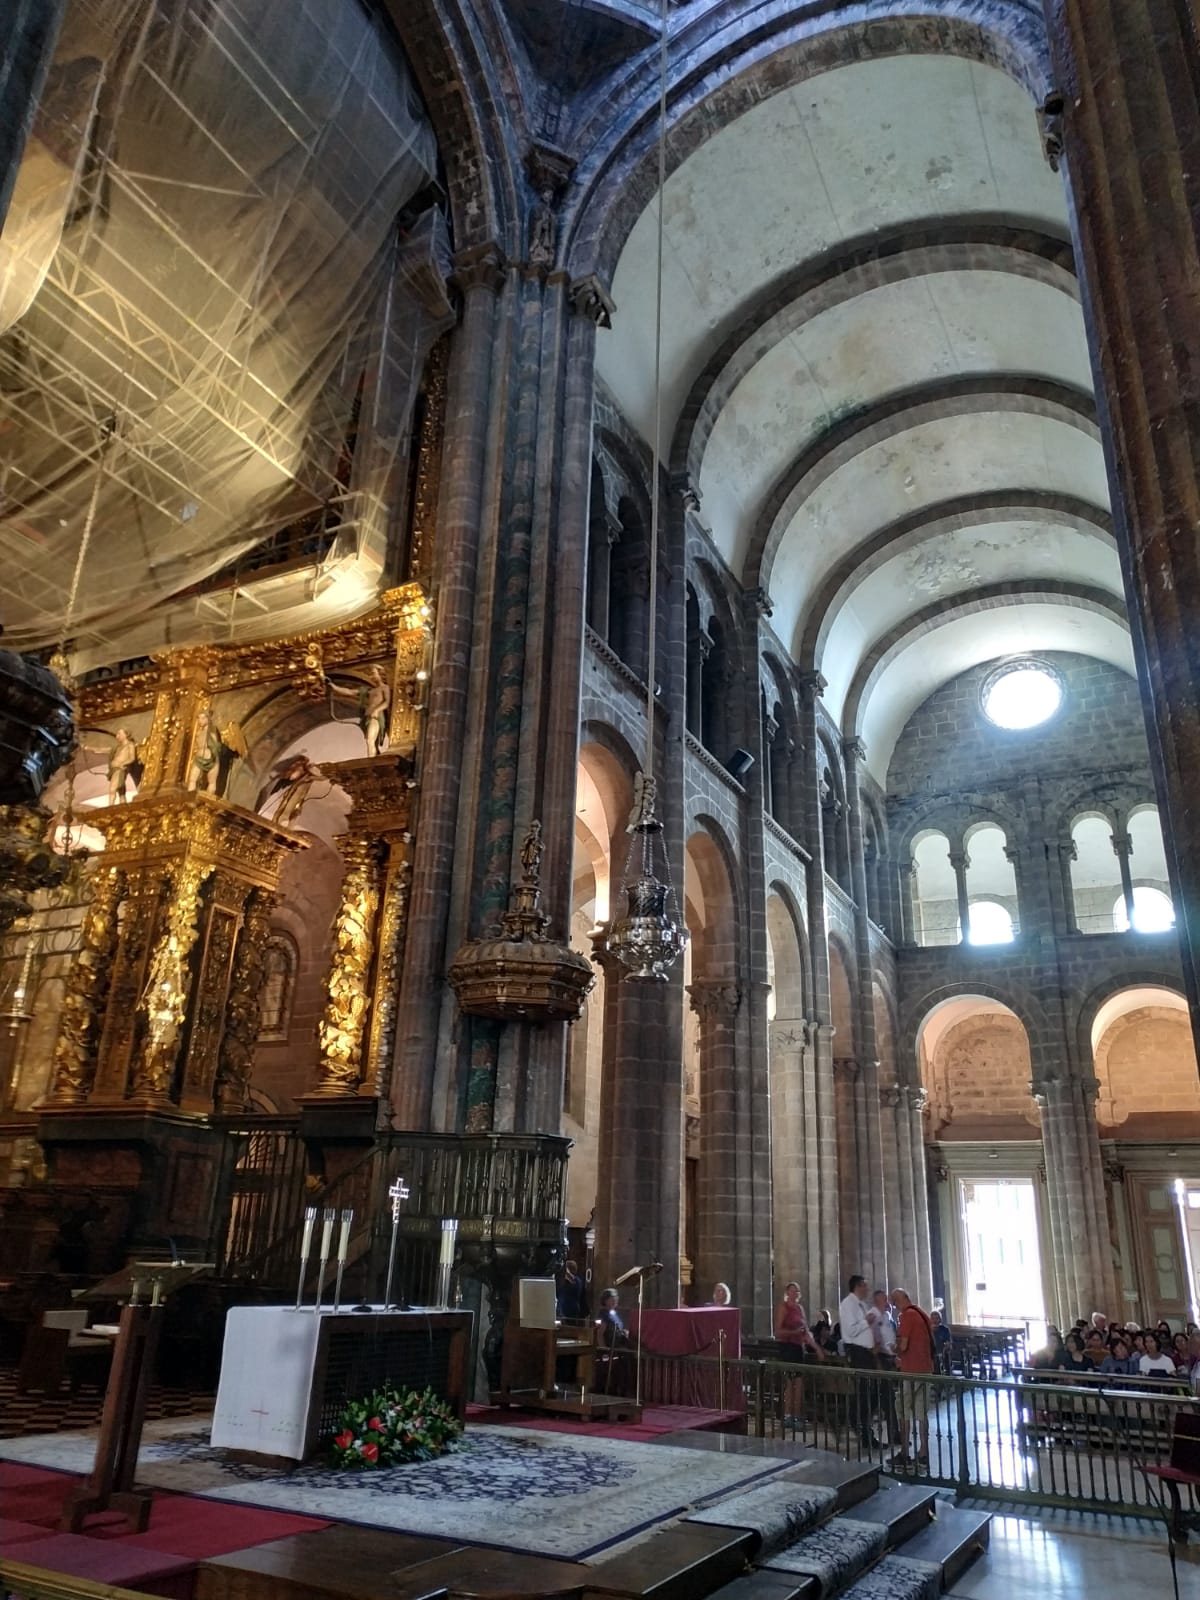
(145, 1286)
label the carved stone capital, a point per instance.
(891, 1095)
(762, 602)
(1122, 844)
(846, 1068)
(715, 999)
(854, 749)
(480, 267)
(812, 683)
(590, 299)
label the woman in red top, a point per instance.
(792, 1333)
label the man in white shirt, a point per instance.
(858, 1341)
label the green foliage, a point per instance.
(393, 1426)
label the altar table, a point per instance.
(691, 1331)
(287, 1374)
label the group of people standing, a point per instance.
(874, 1332)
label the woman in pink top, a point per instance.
(792, 1333)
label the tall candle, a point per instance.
(310, 1216)
(449, 1233)
(344, 1241)
(327, 1233)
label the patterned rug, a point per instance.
(543, 1493)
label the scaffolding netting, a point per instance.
(195, 273)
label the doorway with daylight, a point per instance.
(1002, 1275)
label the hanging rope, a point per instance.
(656, 448)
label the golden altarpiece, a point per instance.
(160, 1015)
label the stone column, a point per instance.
(791, 1048)
(1123, 848)
(1075, 1190)
(479, 275)
(1062, 889)
(824, 1272)
(906, 876)
(894, 1145)
(1129, 124)
(872, 1235)
(640, 1159)
(342, 1030)
(960, 861)
(922, 1262)
(721, 1252)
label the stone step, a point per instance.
(835, 1555)
(777, 1513)
(895, 1578)
(853, 1481)
(767, 1585)
(686, 1562)
(903, 1509)
(950, 1542)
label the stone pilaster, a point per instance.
(1083, 1266)
(1128, 123)
(724, 1173)
(479, 276)
(872, 1225)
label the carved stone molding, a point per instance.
(812, 682)
(589, 298)
(846, 1068)
(854, 749)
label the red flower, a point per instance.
(370, 1452)
(344, 1440)
(375, 1425)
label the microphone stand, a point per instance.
(641, 1274)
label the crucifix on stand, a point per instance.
(399, 1191)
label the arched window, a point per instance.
(1152, 911)
(935, 896)
(1095, 872)
(714, 695)
(279, 984)
(991, 923)
(990, 878)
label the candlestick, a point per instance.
(310, 1217)
(343, 1253)
(329, 1217)
(446, 1260)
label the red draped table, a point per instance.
(690, 1331)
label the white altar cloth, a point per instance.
(264, 1398)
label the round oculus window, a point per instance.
(1021, 695)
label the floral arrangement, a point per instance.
(393, 1426)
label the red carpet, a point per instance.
(656, 1420)
(184, 1529)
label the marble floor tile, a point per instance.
(1055, 1560)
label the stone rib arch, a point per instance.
(898, 414)
(909, 532)
(616, 180)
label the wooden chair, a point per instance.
(1181, 1469)
(58, 1349)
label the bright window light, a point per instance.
(1152, 911)
(1021, 696)
(990, 923)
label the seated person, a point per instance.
(942, 1341)
(610, 1323)
(1119, 1360)
(721, 1295)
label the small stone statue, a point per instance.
(122, 757)
(543, 231)
(531, 853)
(208, 750)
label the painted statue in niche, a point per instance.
(373, 699)
(124, 764)
(290, 787)
(214, 751)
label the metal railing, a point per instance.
(1043, 1438)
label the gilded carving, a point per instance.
(341, 1029)
(243, 1012)
(74, 1058)
(211, 990)
(164, 1001)
(423, 515)
(393, 924)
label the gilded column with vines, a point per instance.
(342, 1028)
(243, 1012)
(164, 1002)
(87, 986)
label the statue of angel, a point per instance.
(291, 780)
(213, 752)
(372, 699)
(123, 763)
